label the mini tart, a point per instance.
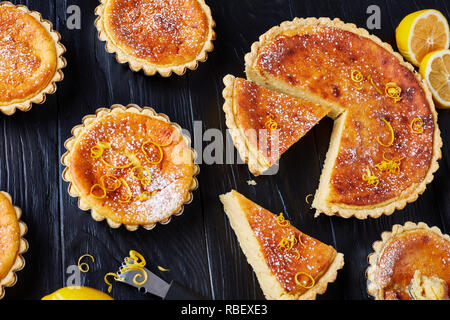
(30, 60)
(131, 166)
(386, 142)
(265, 123)
(157, 36)
(12, 243)
(402, 252)
(260, 234)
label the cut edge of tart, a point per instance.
(39, 97)
(78, 131)
(373, 289)
(256, 162)
(11, 278)
(270, 285)
(149, 68)
(320, 202)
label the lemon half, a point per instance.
(77, 293)
(435, 69)
(420, 33)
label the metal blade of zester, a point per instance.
(154, 284)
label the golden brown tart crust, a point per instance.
(30, 60)
(401, 253)
(315, 59)
(260, 233)
(142, 160)
(12, 244)
(155, 35)
(251, 110)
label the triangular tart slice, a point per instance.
(288, 263)
(264, 123)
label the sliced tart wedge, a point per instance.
(289, 264)
(264, 123)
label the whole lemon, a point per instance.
(77, 293)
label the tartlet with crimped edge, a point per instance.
(332, 98)
(124, 55)
(132, 116)
(394, 252)
(10, 278)
(279, 253)
(37, 96)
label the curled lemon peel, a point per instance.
(92, 193)
(374, 85)
(416, 125)
(281, 221)
(356, 76)
(161, 154)
(392, 90)
(110, 274)
(99, 148)
(389, 165)
(146, 195)
(116, 182)
(301, 284)
(307, 197)
(127, 187)
(286, 244)
(138, 263)
(163, 269)
(300, 240)
(138, 173)
(297, 254)
(370, 177)
(270, 123)
(83, 266)
(391, 130)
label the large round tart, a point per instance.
(411, 262)
(130, 166)
(12, 245)
(385, 142)
(162, 36)
(30, 58)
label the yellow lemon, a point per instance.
(435, 69)
(420, 33)
(77, 293)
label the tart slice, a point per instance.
(410, 262)
(288, 263)
(31, 58)
(264, 123)
(156, 36)
(386, 142)
(12, 243)
(131, 166)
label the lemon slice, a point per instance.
(77, 293)
(435, 69)
(420, 33)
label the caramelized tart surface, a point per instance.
(164, 33)
(28, 57)
(265, 115)
(359, 78)
(408, 252)
(143, 163)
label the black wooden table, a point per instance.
(199, 247)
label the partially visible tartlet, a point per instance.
(12, 243)
(30, 60)
(157, 36)
(131, 166)
(410, 262)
